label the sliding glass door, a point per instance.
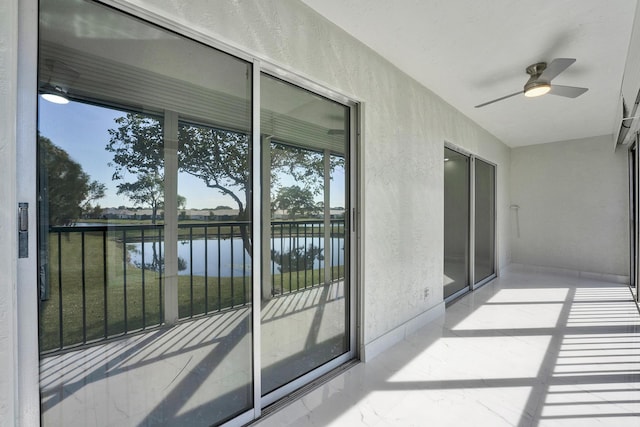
(162, 300)
(469, 222)
(484, 221)
(305, 307)
(456, 222)
(146, 301)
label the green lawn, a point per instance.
(104, 280)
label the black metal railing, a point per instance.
(299, 258)
(101, 282)
(91, 290)
(223, 280)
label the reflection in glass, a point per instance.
(89, 288)
(136, 231)
(304, 307)
(484, 220)
(214, 231)
(456, 222)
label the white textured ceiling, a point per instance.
(472, 51)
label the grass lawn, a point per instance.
(137, 304)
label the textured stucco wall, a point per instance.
(573, 206)
(8, 253)
(405, 126)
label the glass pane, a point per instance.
(305, 291)
(484, 220)
(214, 237)
(456, 222)
(94, 281)
(131, 236)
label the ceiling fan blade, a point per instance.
(567, 91)
(556, 66)
(499, 99)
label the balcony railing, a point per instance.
(102, 282)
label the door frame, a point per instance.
(470, 223)
(471, 227)
(27, 369)
(495, 222)
(28, 389)
(352, 173)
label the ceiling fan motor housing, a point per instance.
(535, 71)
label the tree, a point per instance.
(138, 151)
(218, 157)
(67, 188)
(181, 202)
(303, 165)
(96, 190)
(146, 190)
(138, 160)
(297, 259)
(295, 200)
(95, 212)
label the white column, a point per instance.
(170, 217)
(265, 195)
(327, 217)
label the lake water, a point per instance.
(226, 256)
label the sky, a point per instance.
(82, 131)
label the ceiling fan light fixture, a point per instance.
(537, 89)
(54, 94)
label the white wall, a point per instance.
(573, 206)
(405, 127)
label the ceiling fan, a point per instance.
(540, 81)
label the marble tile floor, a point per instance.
(528, 349)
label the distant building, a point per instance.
(224, 214)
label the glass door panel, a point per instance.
(145, 280)
(456, 222)
(305, 320)
(484, 225)
(214, 228)
(91, 289)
